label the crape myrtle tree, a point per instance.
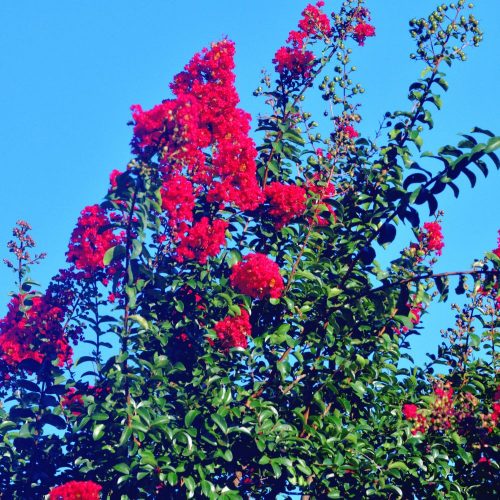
(243, 340)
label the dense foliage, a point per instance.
(242, 339)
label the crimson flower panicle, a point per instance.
(233, 331)
(286, 202)
(73, 490)
(257, 276)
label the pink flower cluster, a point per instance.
(432, 237)
(178, 200)
(490, 420)
(90, 240)
(233, 331)
(294, 62)
(286, 202)
(202, 240)
(362, 30)
(411, 412)
(439, 416)
(258, 277)
(350, 131)
(32, 329)
(415, 314)
(76, 490)
(73, 401)
(203, 115)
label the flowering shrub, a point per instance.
(244, 335)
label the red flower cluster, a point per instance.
(415, 313)
(113, 176)
(497, 250)
(362, 31)
(439, 416)
(432, 237)
(314, 21)
(411, 412)
(314, 24)
(257, 276)
(32, 329)
(202, 240)
(490, 420)
(76, 490)
(350, 131)
(204, 115)
(442, 411)
(73, 401)
(90, 241)
(177, 199)
(293, 63)
(286, 202)
(233, 331)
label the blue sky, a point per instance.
(70, 71)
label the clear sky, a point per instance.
(71, 69)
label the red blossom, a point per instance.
(90, 241)
(293, 63)
(350, 131)
(314, 22)
(286, 202)
(201, 241)
(202, 115)
(362, 31)
(410, 411)
(32, 329)
(73, 490)
(73, 402)
(432, 237)
(497, 250)
(415, 314)
(233, 331)
(257, 276)
(178, 200)
(113, 176)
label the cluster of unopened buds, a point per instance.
(447, 411)
(440, 414)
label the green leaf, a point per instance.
(492, 145)
(398, 465)
(220, 421)
(140, 320)
(113, 254)
(189, 483)
(190, 416)
(98, 432)
(122, 467)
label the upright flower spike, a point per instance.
(432, 237)
(203, 115)
(32, 329)
(90, 240)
